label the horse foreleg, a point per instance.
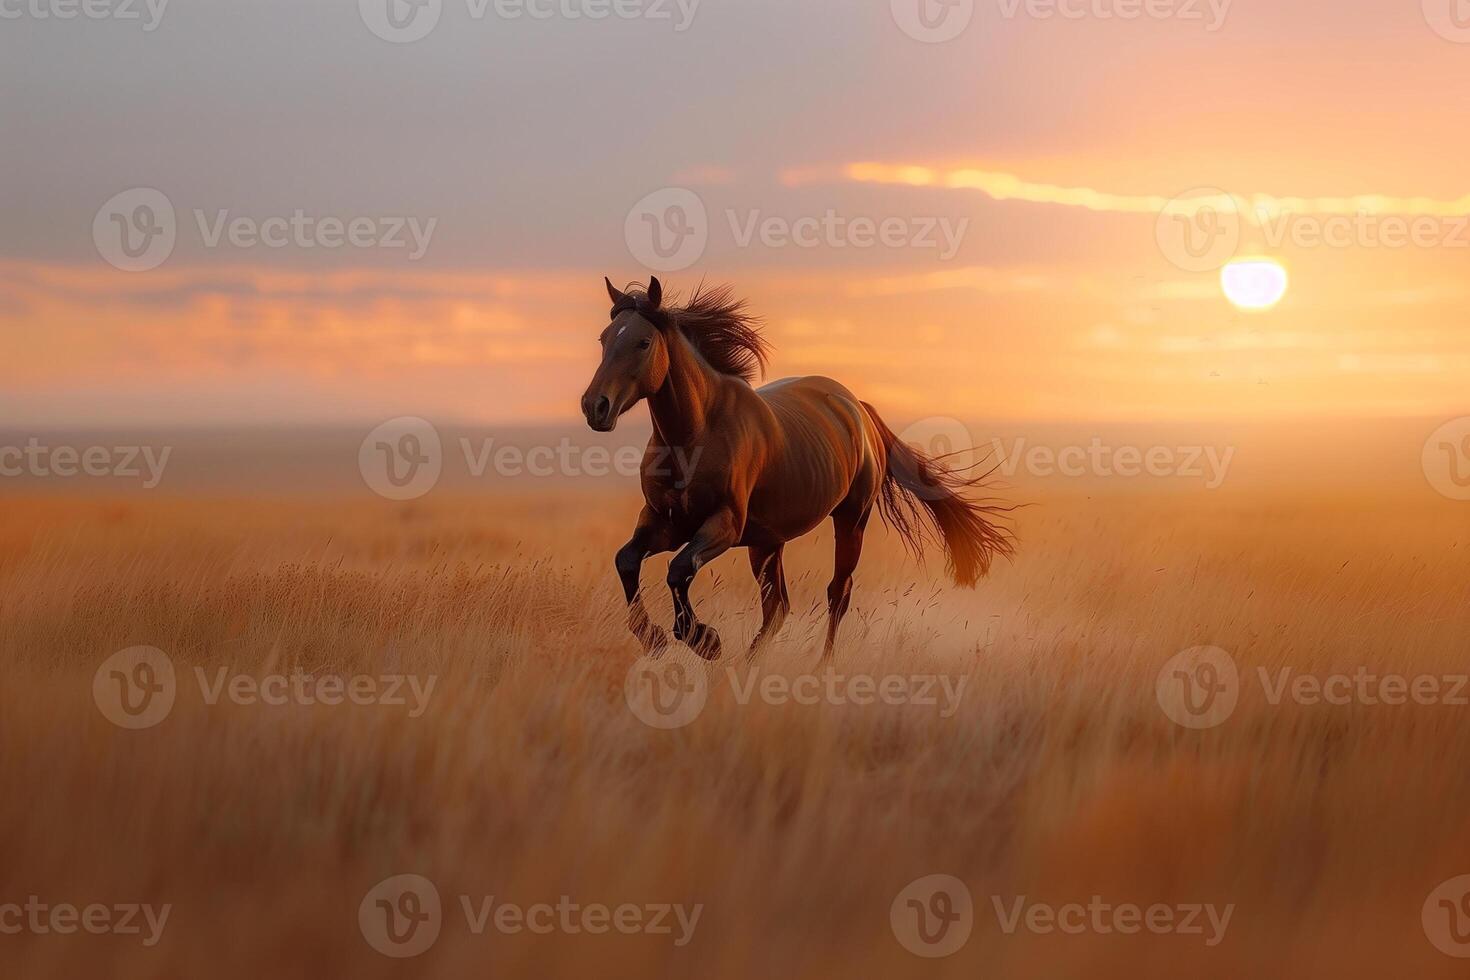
(839, 594)
(715, 536)
(766, 563)
(651, 537)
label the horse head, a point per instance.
(635, 356)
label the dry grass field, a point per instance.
(526, 776)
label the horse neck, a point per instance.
(680, 408)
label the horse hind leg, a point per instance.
(849, 548)
(766, 563)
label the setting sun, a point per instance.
(1254, 284)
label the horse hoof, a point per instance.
(705, 642)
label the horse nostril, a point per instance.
(604, 408)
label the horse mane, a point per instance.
(723, 330)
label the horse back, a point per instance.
(822, 446)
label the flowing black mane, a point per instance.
(721, 328)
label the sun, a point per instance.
(1254, 284)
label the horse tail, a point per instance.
(925, 501)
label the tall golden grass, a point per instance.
(528, 778)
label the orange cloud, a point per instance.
(1009, 187)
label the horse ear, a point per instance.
(655, 292)
(613, 291)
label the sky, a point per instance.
(322, 211)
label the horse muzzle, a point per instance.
(599, 412)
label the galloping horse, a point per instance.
(731, 466)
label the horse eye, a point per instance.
(645, 343)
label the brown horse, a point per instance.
(731, 466)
